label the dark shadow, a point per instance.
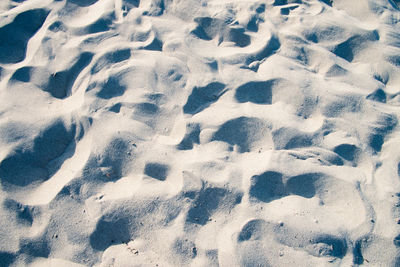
(285, 2)
(57, 26)
(300, 140)
(27, 163)
(351, 46)
(267, 186)
(328, 2)
(213, 64)
(347, 151)
(251, 230)
(335, 71)
(337, 247)
(384, 125)
(242, 131)
(155, 45)
(36, 248)
(345, 50)
(312, 36)
(156, 170)
(115, 108)
(255, 92)
(239, 37)
(203, 97)
(396, 261)
(394, 59)
(335, 160)
(60, 83)
(303, 185)
(260, 8)
(136, 3)
(334, 109)
(358, 258)
(192, 136)
(200, 33)
(207, 201)
(23, 212)
(317, 245)
(23, 74)
(101, 25)
(280, 2)
(110, 232)
(6, 259)
(378, 95)
(156, 8)
(398, 169)
(190, 194)
(146, 109)
(15, 36)
(252, 25)
(82, 3)
(205, 29)
(209, 28)
(324, 157)
(156, 98)
(396, 241)
(111, 88)
(270, 48)
(376, 141)
(382, 78)
(111, 58)
(205, 204)
(395, 4)
(286, 10)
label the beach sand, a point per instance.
(199, 133)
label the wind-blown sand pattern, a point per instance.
(199, 133)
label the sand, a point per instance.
(199, 133)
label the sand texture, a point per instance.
(199, 133)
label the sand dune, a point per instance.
(199, 133)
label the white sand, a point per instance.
(199, 133)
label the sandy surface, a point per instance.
(199, 133)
